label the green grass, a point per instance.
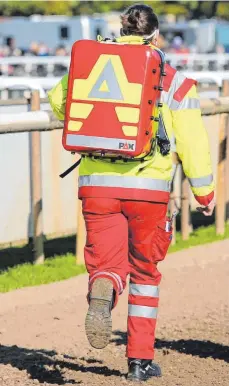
(54, 269)
(202, 235)
(63, 267)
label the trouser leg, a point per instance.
(144, 253)
(106, 250)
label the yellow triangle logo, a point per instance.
(104, 87)
(107, 82)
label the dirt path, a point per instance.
(42, 329)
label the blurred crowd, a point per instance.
(9, 48)
(177, 45)
(41, 49)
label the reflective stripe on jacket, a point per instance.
(150, 180)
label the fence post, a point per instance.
(55, 149)
(227, 169)
(221, 170)
(225, 93)
(36, 188)
(185, 211)
(172, 204)
(172, 207)
(81, 235)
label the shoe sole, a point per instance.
(132, 378)
(137, 380)
(98, 323)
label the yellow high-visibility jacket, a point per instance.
(150, 180)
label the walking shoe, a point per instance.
(142, 370)
(98, 323)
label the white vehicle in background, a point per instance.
(51, 30)
(49, 33)
(15, 88)
(201, 36)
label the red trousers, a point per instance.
(129, 237)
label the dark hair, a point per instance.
(139, 19)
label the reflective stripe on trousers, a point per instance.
(144, 290)
(124, 182)
(141, 310)
(113, 275)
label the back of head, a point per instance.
(139, 19)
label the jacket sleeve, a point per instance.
(57, 97)
(192, 141)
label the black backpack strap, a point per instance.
(69, 170)
(162, 137)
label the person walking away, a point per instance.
(125, 204)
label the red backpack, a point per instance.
(113, 99)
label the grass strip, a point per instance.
(27, 275)
(63, 267)
(199, 236)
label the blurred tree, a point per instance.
(90, 7)
(27, 8)
(205, 9)
(190, 9)
(223, 10)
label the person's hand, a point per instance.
(207, 210)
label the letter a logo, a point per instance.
(107, 82)
(106, 86)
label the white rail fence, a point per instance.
(46, 120)
(209, 84)
(59, 197)
(56, 65)
(33, 122)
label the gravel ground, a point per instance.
(42, 329)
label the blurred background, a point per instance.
(36, 37)
(35, 46)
